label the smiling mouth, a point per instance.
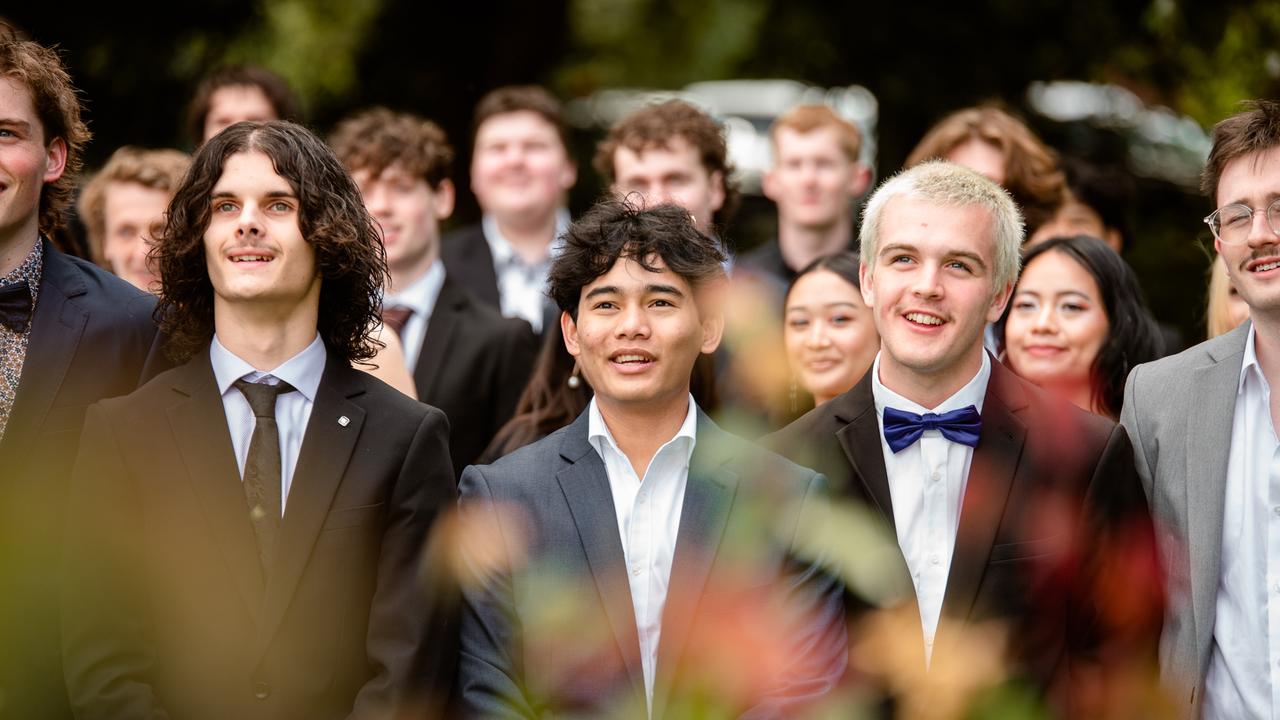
(1264, 267)
(251, 258)
(631, 359)
(924, 319)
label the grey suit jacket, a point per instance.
(1178, 412)
(548, 626)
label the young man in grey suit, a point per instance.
(641, 561)
(245, 530)
(70, 334)
(1203, 424)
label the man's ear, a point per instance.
(769, 184)
(998, 302)
(865, 278)
(717, 192)
(569, 329)
(56, 159)
(860, 181)
(444, 196)
(568, 175)
(712, 332)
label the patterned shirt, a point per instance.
(13, 345)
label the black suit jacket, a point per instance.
(92, 337)
(469, 262)
(473, 365)
(1050, 490)
(549, 628)
(167, 610)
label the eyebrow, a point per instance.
(650, 288)
(1060, 293)
(22, 125)
(224, 194)
(840, 303)
(950, 255)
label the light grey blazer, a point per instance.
(1178, 412)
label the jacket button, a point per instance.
(261, 690)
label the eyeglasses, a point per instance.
(1231, 224)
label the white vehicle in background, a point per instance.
(746, 108)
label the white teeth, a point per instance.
(630, 358)
(923, 319)
(1268, 266)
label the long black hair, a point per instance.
(1132, 335)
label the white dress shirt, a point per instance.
(521, 285)
(420, 297)
(302, 371)
(926, 484)
(648, 512)
(1244, 662)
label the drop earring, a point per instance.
(791, 396)
(574, 382)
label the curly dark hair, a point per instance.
(655, 126)
(1133, 337)
(57, 105)
(350, 258)
(617, 229)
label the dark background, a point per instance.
(137, 64)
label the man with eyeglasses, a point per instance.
(1203, 424)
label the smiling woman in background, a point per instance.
(830, 336)
(1077, 323)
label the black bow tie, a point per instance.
(15, 306)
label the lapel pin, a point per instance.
(344, 421)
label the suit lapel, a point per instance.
(1214, 390)
(860, 439)
(322, 462)
(436, 342)
(585, 484)
(708, 498)
(991, 473)
(199, 425)
(56, 326)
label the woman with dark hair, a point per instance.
(1077, 323)
(829, 332)
(555, 396)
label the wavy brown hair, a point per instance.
(656, 126)
(1031, 171)
(57, 106)
(349, 256)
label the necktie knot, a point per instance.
(396, 317)
(262, 397)
(15, 305)
(902, 428)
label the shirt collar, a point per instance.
(29, 270)
(598, 432)
(500, 247)
(302, 371)
(421, 294)
(1249, 366)
(973, 393)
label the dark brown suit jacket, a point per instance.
(168, 611)
(92, 337)
(1051, 489)
(473, 365)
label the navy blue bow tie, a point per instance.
(15, 306)
(902, 429)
